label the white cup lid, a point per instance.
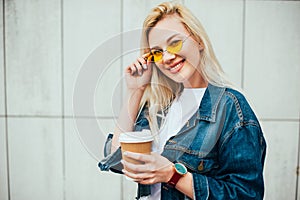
(136, 136)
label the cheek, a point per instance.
(194, 58)
(192, 55)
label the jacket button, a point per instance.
(201, 167)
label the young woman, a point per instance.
(208, 142)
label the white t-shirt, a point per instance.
(181, 110)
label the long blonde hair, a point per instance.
(160, 93)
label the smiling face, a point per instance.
(183, 66)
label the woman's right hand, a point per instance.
(138, 74)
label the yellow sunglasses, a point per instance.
(174, 47)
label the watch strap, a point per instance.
(174, 180)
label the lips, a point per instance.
(176, 67)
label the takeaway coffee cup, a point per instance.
(137, 141)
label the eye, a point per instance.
(175, 43)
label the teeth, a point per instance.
(176, 67)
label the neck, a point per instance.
(196, 81)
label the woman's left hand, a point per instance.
(156, 168)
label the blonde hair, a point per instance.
(160, 93)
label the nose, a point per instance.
(168, 57)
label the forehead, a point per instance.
(164, 29)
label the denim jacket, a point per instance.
(222, 145)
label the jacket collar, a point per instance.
(209, 104)
(208, 107)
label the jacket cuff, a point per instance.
(201, 189)
(112, 161)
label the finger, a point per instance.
(146, 56)
(139, 68)
(138, 176)
(131, 69)
(137, 180)
(148, 181)
(138, 168)
(143, 62)
(139, 156)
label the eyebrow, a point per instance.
(168, 40)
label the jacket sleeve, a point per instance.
(112, 161)
(241, 160)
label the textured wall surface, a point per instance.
(43, 45)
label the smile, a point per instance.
(176, 68)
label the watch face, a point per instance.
(180, 168)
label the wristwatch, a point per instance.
(180, 171)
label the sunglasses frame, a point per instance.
(150, 56)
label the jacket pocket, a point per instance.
(194, 160)
(198, 165)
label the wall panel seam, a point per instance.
(278, 120)
(298, 162)
(243, 45)
(58, 116)
(63, 99)
(5, 100)
(121, 71)
(114, 117)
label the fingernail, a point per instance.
(125, 153)
(144, 66)
(140, 73)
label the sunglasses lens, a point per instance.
(157, 55)
(175, 47)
